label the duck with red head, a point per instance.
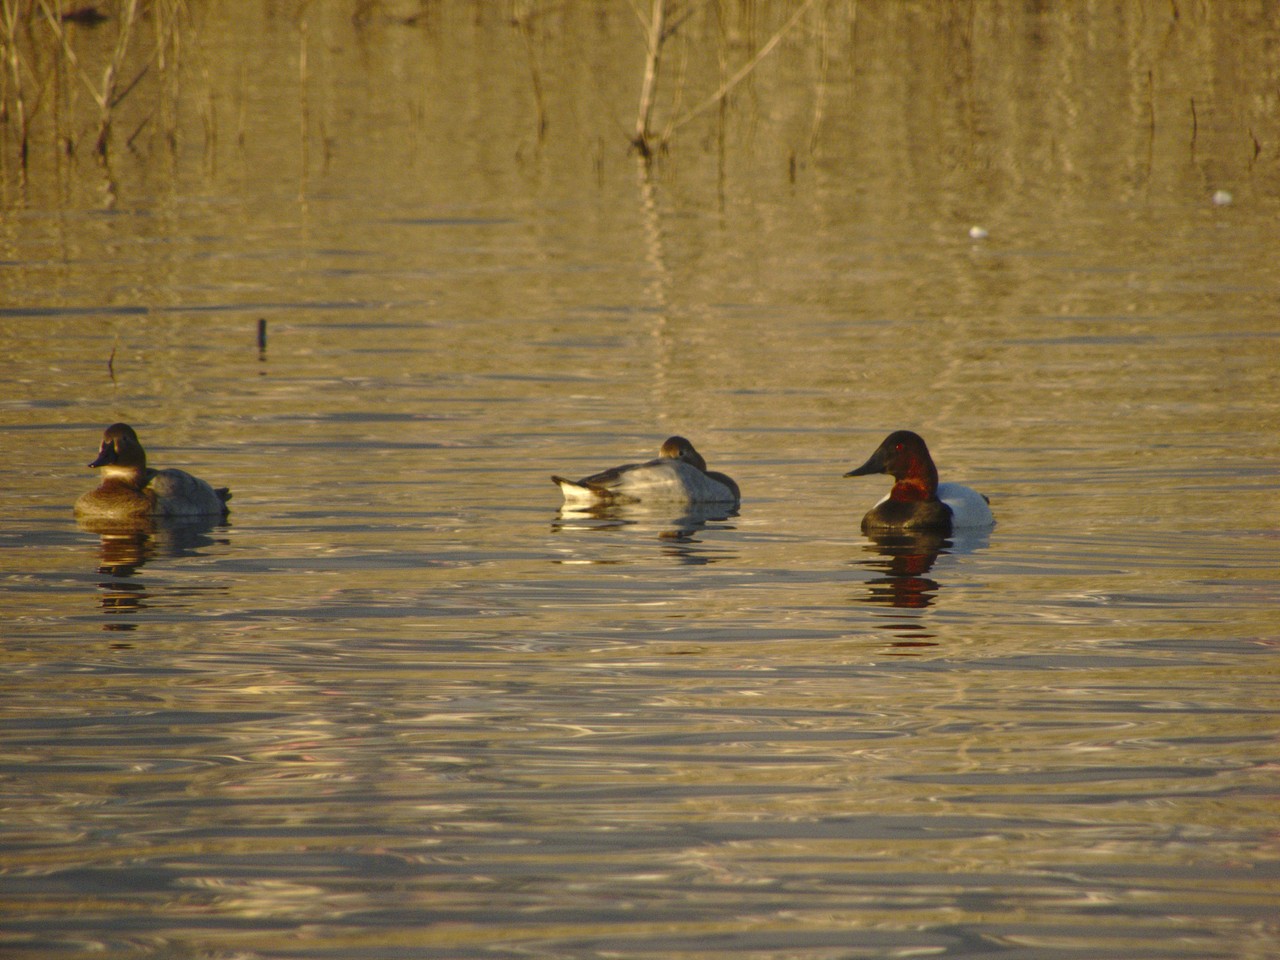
(130, 489)
(918, 502)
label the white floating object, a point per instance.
(1222, 198)
(978, 233)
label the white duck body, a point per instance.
(661, 479)
(969, 509)
(678, 475)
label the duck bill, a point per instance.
(106, 455)
(874, 465)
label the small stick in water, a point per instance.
(262, 338)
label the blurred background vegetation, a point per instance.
(134, 81)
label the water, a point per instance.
(400, 706)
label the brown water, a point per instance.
(398, 706)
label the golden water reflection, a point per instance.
(676, 528)
(127, 546)
(408, 703)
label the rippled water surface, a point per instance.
(399, 705)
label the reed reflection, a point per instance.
(674, 526)
(127, 546)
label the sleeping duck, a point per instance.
(678, 474)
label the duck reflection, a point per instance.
(675, 526)
(905, 560)
(127, 546)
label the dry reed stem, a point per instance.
(524, 22)
(824, 66)
(657, 30)
(743, 72)
(107, 99)
(655, 34)
(168, 40)
(304, 108)
(14, 60)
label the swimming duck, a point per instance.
(918, 501)
(678, 474)
(130, 489)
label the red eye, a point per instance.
(898, 447)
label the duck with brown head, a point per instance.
(130, 489)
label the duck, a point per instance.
(918, 502)
(130, 489)
(678, 474)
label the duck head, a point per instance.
(121, 453)
(904, 456)
(678, 448)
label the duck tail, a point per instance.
(575, 493)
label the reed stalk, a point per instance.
(110, 94)
(743, 72)
(166, 17)
(524, 23)
(824, 66)
(107, 98)
(661, 26)
(10, 13)
(655, 36)
(304, 109)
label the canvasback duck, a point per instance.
(130, 489)
(679, 474)
(918, 501)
